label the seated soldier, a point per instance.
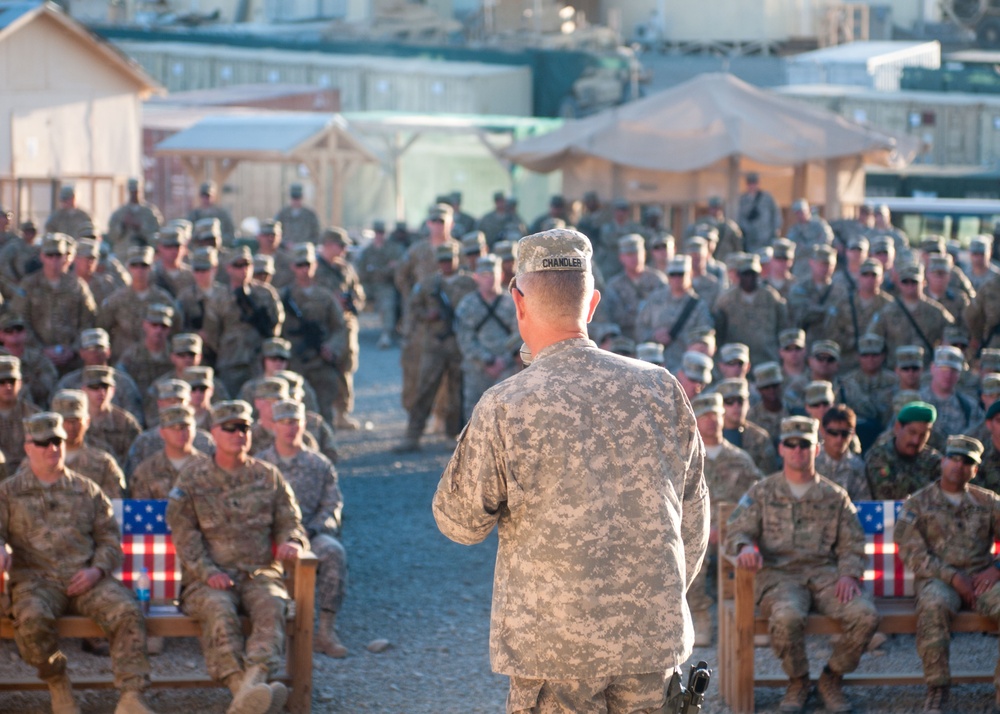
(169, 392)
(802, 533)
(109, 424)
(945, 533)
(904, 463)
(226, 514)
(64, 544)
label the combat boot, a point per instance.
(831, 691)
(344, 422)
(408, 445)
(279, 696)
(61, 691)
(132, 702)
(703, 628)
(250, 693)
(937, 699)
(796, 695)
(326, 641)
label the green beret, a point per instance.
(917, 411)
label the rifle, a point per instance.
(308, 330)
(447, 312)
(687, 700)
(253, 314)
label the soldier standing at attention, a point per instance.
(299, 223)
(757, 215)
(134, 223)
(68, 218)
(208, 208)
(376, 269)
(536, 462)
(671, 312)
(627, 290)
(752, 313)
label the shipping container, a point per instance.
(875, 65)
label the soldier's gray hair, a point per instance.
(558, 296)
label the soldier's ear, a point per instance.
(595, 299)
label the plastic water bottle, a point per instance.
(142, 586)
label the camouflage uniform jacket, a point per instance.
(988, 475)
(120, 236)
(428, 306)
(342, 279)
(895, 327)
(891, 477)
(760, 219)
(156, 475)
(194, 304)
(662, 309)
(756, 323)
(326, 441)
(228, 522)
(708, 287)
(795, 391)
(602, 510)
(237, 342)
(102, 286)
(262, 439)
(226, 226)
(483, 345)
(97, 465)
(144, 367)
(805, 236)
(954, 301)
(12, 432)
(56, 315)
(172, 281)
(127, 395)
(982, 316)
(71, 221)
(377, 264)
(809, 305)
(121, 315)
(149, 442)
(283, 263)
(38, 375)
(957, 414)
(729, 475)
(606, 246)
(298, 225)
(847, 472)
(625, 295)
(56, 531)
(815, 537)
(937, 539)
(840, 322)
(730, 237)
(314, 480)
(117, 428)
(318, 305)
(870, 396)
(767, 420)
(19, 259)
(756, 442)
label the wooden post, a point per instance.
(743, 653)
(300, 654)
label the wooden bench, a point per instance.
(301, 584)
(739, 623)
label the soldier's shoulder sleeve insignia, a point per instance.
(908, 516)
(745, 500)
(176, 494)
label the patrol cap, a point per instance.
(697, 367)
(473, 242)
(10, 320)
(70, 404)
(504, 249)
(55, 244)
(269, 227)
(439, 212)
(990, 384)
(733, 387)
(44, 426)
(288, 409)
(800, 427)
(276, 347)
(800, 205)
(620, 204)
(621, 345)
(631, 243)
(869, 344)
(186, 343)
(173, 389)
(917, 411)
(487, 264)
(767, 374)
(819, 391)
(207, 188)
(184, 227)
(715, 202)
(295, 190)
(176, 414)
(234, 410)
(96, 375)
(753, 177)
(732, 351)
(378, 226)
(707, 403)
(294, 380)
(679, 265)
(858, 242)
(702, 335)
(989, 360)
(66, 191)
(695, 244)
(95, 337)
(883, 244)
(947, 356)
(961, 445)
(160, 314)
(88, 248)
(10, 367)
(661, 240)
(792, 336)
(237, 254)
(208, 228)
(940, 263)
(910, 356)
(139, 255)
(825, 347)
(558, 249)
(911, 271)
(28, 226)
(446, 252)
(263, 264)
(650, 352)
(823, 253)
(199, 376)
(764, 254)
(932, 244)
(980, 244)
(871, 266)
(271, 388)
(783, 249)
(956, 335)
(749, 264)
(993, 410)
(169, 236)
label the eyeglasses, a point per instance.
(910, 368)
(796, 444)
(908, 281)
(52, 441)
(7, 382)
(840, 433)
(302, 265)
(240, 264)
(967, 460)
(186, 355)
(793, 348)
(231, 428)
(99, 387)
(199, 387)
(820, 404)
(13, 329)
(160, 326)
(735, 363)
(826, 359)
(436, 220)
(730, 401)
(512, 286)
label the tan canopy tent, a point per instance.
(683, 145)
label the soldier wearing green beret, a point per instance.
(903, 463)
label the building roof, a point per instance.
(863, 52)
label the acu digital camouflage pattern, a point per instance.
(891, 477)
(156, 475)
(484, 331)
(625, 295)
(988, 475)
(662, 309)
(602, 510)
(848, 472)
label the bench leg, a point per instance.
(300, 654)
(743, 654)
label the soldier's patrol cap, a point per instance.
(932, 244)
(263, 264)
(621, 345)
(732, 351)
(695, 244)
(56, 244)
(288, 409)
(956, 335)
(487, 264)
(295, 190)
(446, 252)
(819, 391)
(631, 243)
(303, 253)
(66, 191)
(169, 236)
(824, 253)
(620, 204)
(961, 445)
(911, 271)
(95, 375)
(160, 314)
(439, 212)
(940, 263)
(473, 242)
(753, 177)
(783, 249)
(204, 258)
(186, 343)
(176, 414)
(715, 202)
(139, 255)
(10, 320)
(294, 380)
(173, 389)
(871, 266)
(551, 223)
(825, 347)
(199, 376)
(800, 427)
(10, 367)
(183, 226)
(208, 228)
(764, 254)
(858, 242)
(989, 360)
(767, 374)
(44, 426)
(661, 240)
(697, 367)
(870, 344)
(233, 410)
(276, 347)
(679, 265)
(734, 259)
(800, 205)
(94, 337)
(650, 352)
(28, 226)
(557, 249)
(88, 248)
(882, 244)
(336, 234)
(504, 249)
(910, 356)
(707, 403)
(702, 335)
(792, 336)
(378, 226)
(917, 411)
(991, 384)
(269, 227)
(271, 388)
(70, 403)
(993, 410)
(733, 387)
(947, 356)
(237, 254)
(207, 188)
(979, 244)
(749, 264)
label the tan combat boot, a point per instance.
(345, 422)
(326, 641)
(279, 697)
(132, 702)
(832, 693)
(250, 693)
(796, 695)
(937, 699)
(61, 691)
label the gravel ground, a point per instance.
(430, 598)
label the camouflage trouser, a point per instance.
(626, 694)
(331, 576)
(409, 359)
(325, 381)
(700, 594)
(435, 365)
(344, 401)
(264, 599)
(787, 604)
(385, 303)
(936, 603)
(36, 606)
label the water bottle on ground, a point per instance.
(142, 588)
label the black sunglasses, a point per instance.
(729, 401)
(231, 428)
(52, 441)
(796, 444)
(840, 433)
(967, 460)
(828, 359)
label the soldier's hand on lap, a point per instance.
(965, 588)
(289, 550)
(83, 581)
(6, 559)
(985, 579)
(750, 558)
(220, 581)
(847, 588)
